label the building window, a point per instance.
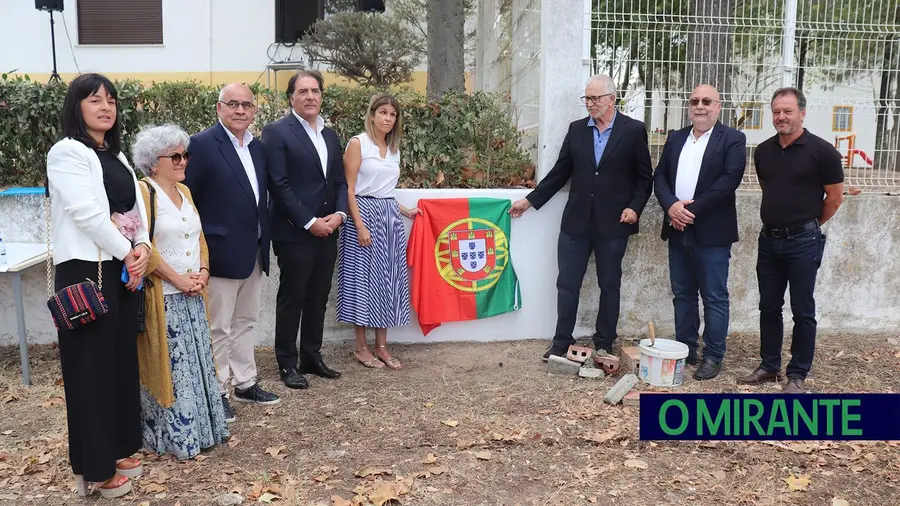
(109, 22)
(842, 120)
(753, 115)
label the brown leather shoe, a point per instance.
(794, 386)
(759, 376)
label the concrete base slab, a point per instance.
(562, 366)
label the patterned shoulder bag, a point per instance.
(75, 305)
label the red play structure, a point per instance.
(851, 150)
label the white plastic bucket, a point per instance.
(662, 364)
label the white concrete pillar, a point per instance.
(565, 68)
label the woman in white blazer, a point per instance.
(91, 185)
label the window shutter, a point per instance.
(115, 22)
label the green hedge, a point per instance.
(459, 141)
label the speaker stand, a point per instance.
(54, 76)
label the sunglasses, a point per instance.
(704, 101)
(177, 157)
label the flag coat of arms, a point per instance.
(461, 267)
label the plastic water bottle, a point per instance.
(2, 253)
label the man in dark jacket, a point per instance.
(606, 157)
(698, 173)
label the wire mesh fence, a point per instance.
(843, 54)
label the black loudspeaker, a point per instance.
(294, 17)
(49, 5)
(371, 5)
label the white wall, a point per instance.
(241, 32)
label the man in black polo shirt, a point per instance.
(796, 169)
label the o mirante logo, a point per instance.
(471, 254)
(873, 417)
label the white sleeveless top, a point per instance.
(377, 176)
(177, 235)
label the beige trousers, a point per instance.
(234, 306)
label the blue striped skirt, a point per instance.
(373, 281)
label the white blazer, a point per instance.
(79, 207)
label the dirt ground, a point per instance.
(468, 424)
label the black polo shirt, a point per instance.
(794, 178)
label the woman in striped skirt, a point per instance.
(373, 283)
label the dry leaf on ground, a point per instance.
(153, 488)
(797, 483)
(373, 471)
(601, 437)
(337, 500)
(719, 475)
(275, 451)
(437, 470)
(636, 464)
(836, 501)
(450, 423)
(483, 455)
(233, 441)
(430, 459)
(268, 498)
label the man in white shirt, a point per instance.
(227, 177)
(309, 204)
(700, 168)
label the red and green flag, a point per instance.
(461, 268)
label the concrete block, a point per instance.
(591, 373)
(562, 366)
(630, 359)
(622, 387)
(608, 363)
(579, 354)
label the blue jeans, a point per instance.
(781, 262)
(573, 254)
(694, 268)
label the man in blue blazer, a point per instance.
(700, 168)
(227, 177)
(309, 204)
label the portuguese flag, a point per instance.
(461, 268)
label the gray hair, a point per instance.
(154, 141)
(609, 86)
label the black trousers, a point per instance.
(573, 254)
(100, 375)
(307, 269)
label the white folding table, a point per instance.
(20, 256)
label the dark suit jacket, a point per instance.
(622, 178)
(715, 215)
(299, 187)
(228, 209)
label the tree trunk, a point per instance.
(801, 62)
(709, 49)
(446, 47)
(887, 142)
(645, 72)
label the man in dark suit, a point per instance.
(227, 177)
(309, 204)
(608, 161)
(698, 173)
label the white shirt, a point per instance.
(318, 140)
(243, 153)
(689, 164)
(377, 176)
(177, 235)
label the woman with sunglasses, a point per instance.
(93, 194)
(182, 410)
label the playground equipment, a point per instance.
(851, 150)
